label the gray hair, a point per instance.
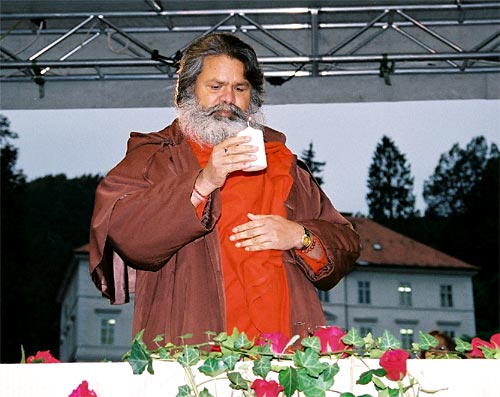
(214, 44)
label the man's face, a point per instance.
(222, 81)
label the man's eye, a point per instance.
(215, 87)
(241, 89)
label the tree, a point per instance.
(457, 174)
(463, 198)
(316, 167)
(390, 184)
(13, 253)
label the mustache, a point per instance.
(237, 112)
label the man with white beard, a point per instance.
(204, 244)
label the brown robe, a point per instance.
(147, 239)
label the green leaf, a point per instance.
(376, 353)
(237, 381)
(389, 341)
(221, 337)
(309, 359)
(159, 338)
(288, 379)
(164, 354)
(304, 380)
(327, 377)
(379, 385)
(365, 378)
(231, 360)
(140, 358)
(347, 394)
(426, 341)
(184, 391)
(205, 393)
(242, 342)
(489, 352)
(189, 357)
(393, 392)
(314, 391)
(213, 366)
(353, 338)
(462, 346)
(262, 366)
(312, 342)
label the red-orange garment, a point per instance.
(257, 296)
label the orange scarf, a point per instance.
(255, 283)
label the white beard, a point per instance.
(206, 128)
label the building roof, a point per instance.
(385, 247)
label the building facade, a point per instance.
(397, 284)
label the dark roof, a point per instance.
(383, 246)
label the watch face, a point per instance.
(306, 240)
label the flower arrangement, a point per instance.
(296, 367)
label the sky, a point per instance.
(91, 141)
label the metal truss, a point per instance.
(290, 42)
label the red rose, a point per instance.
(42, 357)
(476, 342)
(394, 363)
(277, 340)
(83, 391)
(331, 339)
(264, 388)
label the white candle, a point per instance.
(257, 140)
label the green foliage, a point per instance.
(390, 184)
(300, 372)
(316, 167)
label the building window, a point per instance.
(406, 337)
(404, 290)
(108, 331)
(364, 292)
(446, 296)
(324, 296)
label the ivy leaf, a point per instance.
(184, 391)
(312, 342)
(262, 366)
(231, 360)
(164, 354)
(353, 338)
(220, 338)
(309, 359)
(304, 380)
(347, 394)
(237, 381)
(213, 366)
(189, 357)
(376, 353)
(462, 346)
(327, 377)
(139, 358)
(389, 341)
(288, 379)
(159, 338)
(314, 391)
(489, 352)
(205, 393)
(426, 341)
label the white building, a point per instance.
(398, 284)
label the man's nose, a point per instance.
(227, 95)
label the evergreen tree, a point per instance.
(390, 184)
(316, 167)
(457, 173)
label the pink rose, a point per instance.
(277, 340)
(42, 357)
(394, 363)
(83, 391)
(476, 342)
(331, 339)
(264, 388)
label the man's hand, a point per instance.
(231, 155)
(264, 232)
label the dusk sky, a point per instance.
(91, 141)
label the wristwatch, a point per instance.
(306, 239)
